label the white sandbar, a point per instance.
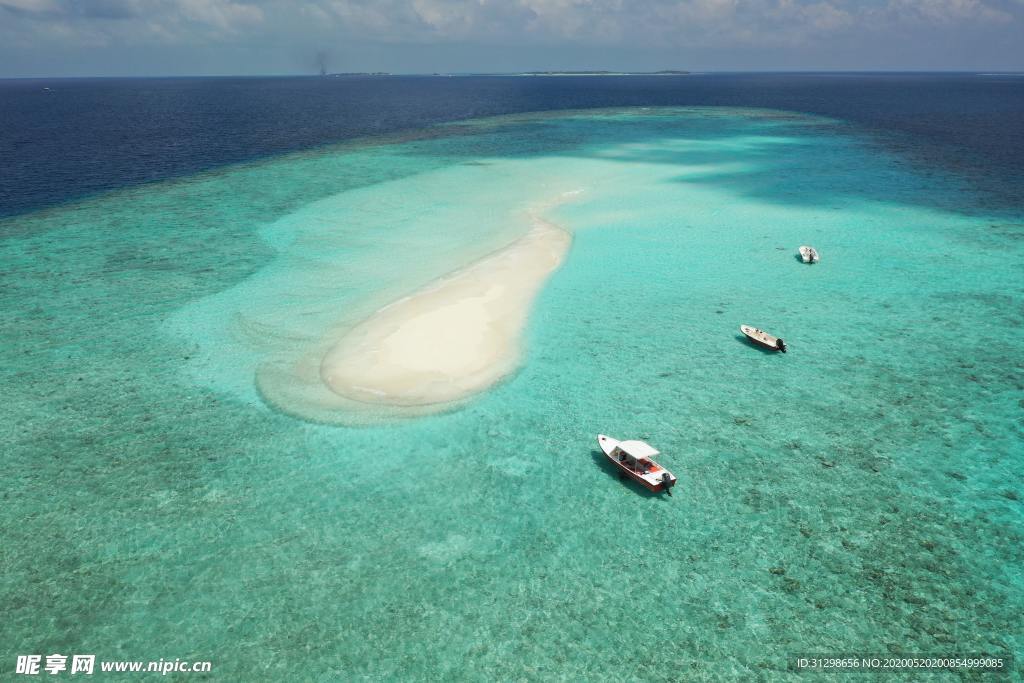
(455, 337)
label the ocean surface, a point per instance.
(167, 246)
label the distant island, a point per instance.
(664, 72)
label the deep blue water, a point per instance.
(65, 139)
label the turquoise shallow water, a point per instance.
(169, 497)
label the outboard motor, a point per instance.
(780, 345)
(667, 483)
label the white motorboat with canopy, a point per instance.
(809, 254)
(634, 459)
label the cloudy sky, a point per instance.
(170, 37)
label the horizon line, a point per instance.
(531, 72)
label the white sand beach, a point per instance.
(457, 336)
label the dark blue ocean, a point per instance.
(64, 139)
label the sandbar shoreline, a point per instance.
(453, 338)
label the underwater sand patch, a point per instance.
(427, 352)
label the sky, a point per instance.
(44, 38)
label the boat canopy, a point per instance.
(638, 449)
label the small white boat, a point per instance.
(809, 254)
(762, 338)
(634, 460)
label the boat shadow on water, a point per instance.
(608, 468)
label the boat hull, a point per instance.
(762, 343)
(762, 338)
(809, 255)
(630, 474)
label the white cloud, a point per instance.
(651, 24)
(30, 5)
(946, 11)
(131, 22)
(226, 15)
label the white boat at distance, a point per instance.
(762, 338)
(809, 254)
(633, 459)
